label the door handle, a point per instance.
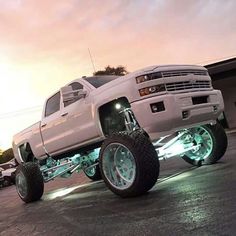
(43, 125)
(64, 114)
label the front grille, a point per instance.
(183, 73)
(187, 85)
(166, 74)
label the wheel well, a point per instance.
(26, 152)
(110, 115)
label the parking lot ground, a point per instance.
(185, 201)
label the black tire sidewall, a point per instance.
(97, 175)
(220, 143)
(128, 140)
(34, 181)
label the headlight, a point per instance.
(144, 78)
(152, 89)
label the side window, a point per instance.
(75, 86)
(53, 104)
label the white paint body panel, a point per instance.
(81, 126)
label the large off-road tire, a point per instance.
(213, 141)
(29, 182)
(129, 164)
(93, 173)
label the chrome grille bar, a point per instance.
(185, 85)
(183, 73)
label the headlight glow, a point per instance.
(147, 77)
(118, 106)
(152, 89)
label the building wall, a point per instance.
(228, 89)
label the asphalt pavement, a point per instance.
(185, 201)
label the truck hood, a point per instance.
(150, 69)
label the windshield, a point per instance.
(98, 81)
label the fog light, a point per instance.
(215, 108)
(185, 114)
(157, 107)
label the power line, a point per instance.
(20, 112)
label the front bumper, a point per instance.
(179, 112)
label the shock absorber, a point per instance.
(130, 122)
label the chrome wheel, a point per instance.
(202, 137)
(21, 185)
(119, 166)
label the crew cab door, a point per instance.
(79, 118)
(52, 127)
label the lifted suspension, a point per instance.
(176, 146)
(68, 165)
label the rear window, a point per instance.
(98, 81)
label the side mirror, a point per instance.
(68, 94)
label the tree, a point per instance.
(6, 156)
(119, 70)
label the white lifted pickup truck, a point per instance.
(118, 128)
